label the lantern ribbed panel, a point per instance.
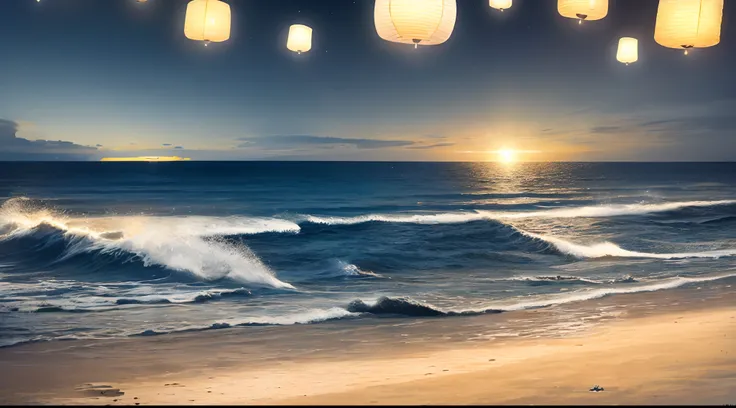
(207, 20)
(404, 21)
(300, 38)
(592, 9)
(688, 23)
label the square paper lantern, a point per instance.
(628, 50)
(501, 4)
(425, 22)
(688, 23)
(583, 9)
(300, 38)
(207, 20)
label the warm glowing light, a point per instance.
(628, 50)
(145, 159)
(300, 38)
(501, 4)
(583, 9)
(506, 155)
(425, 22)
(207, 20)
(688, 24)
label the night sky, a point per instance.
(86, 79)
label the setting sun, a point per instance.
(506, 155)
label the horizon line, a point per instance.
(187, 160)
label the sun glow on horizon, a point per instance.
(145, 159)
(506, 155)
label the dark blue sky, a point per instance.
(117, 78)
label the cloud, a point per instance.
(14, 148)
(555, 132)
(433, 146)
(606, 129)
(708, 124)
(290, 142)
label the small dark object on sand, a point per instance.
(596, 388)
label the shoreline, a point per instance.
(680, 356)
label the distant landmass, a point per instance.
(145, 159)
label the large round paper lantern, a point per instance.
(300, 38)
(501, 4)
(688, 23)
(208, 21)
(628, 50)
(583, 9)
(425, 22)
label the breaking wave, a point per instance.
(609, 249)
(463, 217)
(190, 244)
(409, 307)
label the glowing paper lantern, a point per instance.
(300, 38)
(628, 50)
(688, 23)
(501, 4)
(426, 22)
(208, 21)
(583, 9)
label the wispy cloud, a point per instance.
(606, 129)
(290, 142)
(499, 151)
(432, 146)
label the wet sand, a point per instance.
(669, 357)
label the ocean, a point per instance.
(112, 250)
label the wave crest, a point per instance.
(600, 211)
(609, 249)
(191, 244)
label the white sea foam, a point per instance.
(604, 249)
(352, 270)
(181, 243)
(514, 304)
(303, 317)
(600, 211)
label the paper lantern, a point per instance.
(300, 38)
(688, 23)
(426, 22)
(583, 9)
(628, 50)
(501, 4)
(208, 21)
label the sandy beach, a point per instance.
(681, 357)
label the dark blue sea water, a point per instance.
(102, 250)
